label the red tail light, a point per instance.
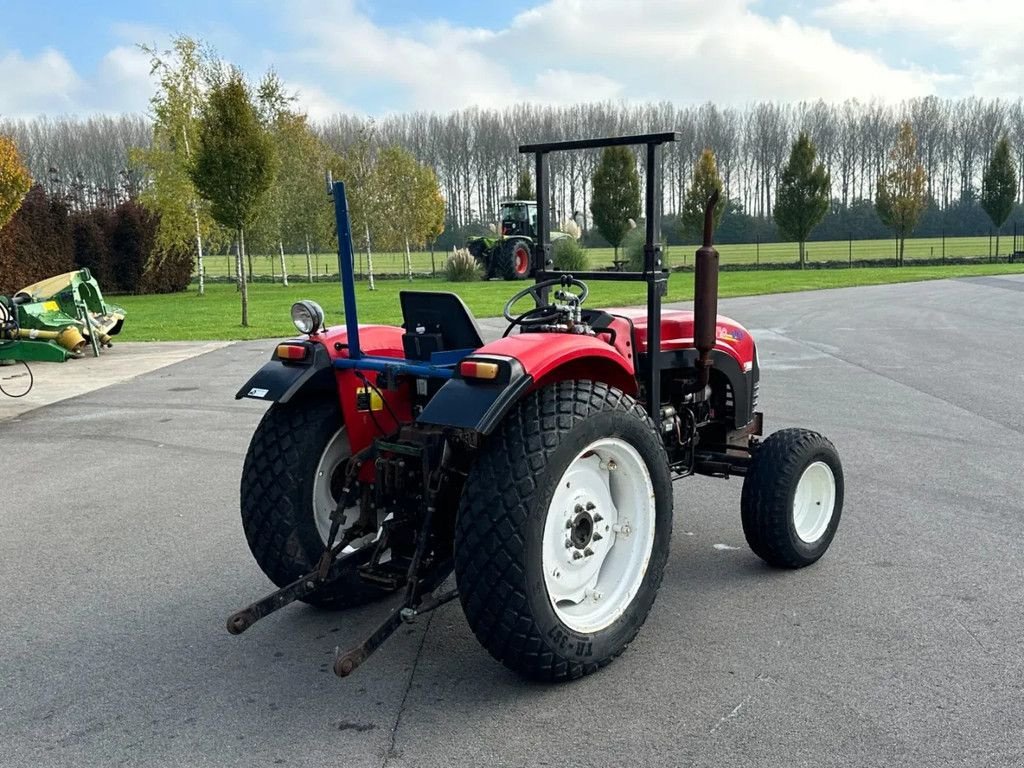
(292, 351)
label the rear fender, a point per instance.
(528, 361)
(281, 380)
(278, 381)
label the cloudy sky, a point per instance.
(68, 56)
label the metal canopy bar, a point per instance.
(345, 269)
(395, 365)
(607, 275)
(614, 141)
(654, 273)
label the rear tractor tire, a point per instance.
(515, 259)
(293, 474)
(563, 531)
(792, 498)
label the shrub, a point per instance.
(461, 267)
(91, 244)
(632, 250)
(568, 255)
(132, 238)
(169, 271)
(36, 243)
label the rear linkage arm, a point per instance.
(330, 566)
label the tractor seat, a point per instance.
(436, 321)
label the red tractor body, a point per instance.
(538, 467)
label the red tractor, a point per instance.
(538, 467)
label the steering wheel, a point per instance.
(543, 312)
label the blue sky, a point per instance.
(58, 56)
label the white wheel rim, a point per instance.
(335, 454)
(814, 502)
(599, 535)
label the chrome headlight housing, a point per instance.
(307, 316)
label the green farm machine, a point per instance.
(54, 319)
(508, 254)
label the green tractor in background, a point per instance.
(508, 255)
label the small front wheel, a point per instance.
(792, 498)
(563, 531)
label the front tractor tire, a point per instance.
(293, 474)
(563, 531)
(515, 259)
(792, 498)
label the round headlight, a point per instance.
(307, 316)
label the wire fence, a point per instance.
(837, 253)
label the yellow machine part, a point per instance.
(69, 338)
(367, 399)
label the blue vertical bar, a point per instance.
(345, 268)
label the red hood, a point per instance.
(677, 332)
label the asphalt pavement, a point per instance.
(121, 554)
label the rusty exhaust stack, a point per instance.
(705, 297)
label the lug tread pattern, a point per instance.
(280, 530)
(766, 503)
(489, 544)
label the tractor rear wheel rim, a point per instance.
(522, 260)
(599, 535)
(814, 502)
(328, 481)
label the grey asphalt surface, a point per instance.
(121, 554)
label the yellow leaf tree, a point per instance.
(14, 180)
(900, 198)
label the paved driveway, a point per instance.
(121, 554)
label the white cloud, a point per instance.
(571, 50)
(123, 80)
(46, 83)
(315, 101)
(561, 51)
(987, 37)
(49, 84)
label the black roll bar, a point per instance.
(654, 273)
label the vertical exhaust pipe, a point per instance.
(705, 297)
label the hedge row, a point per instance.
(118, 245)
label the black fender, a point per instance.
(278, 381)
(478, 405)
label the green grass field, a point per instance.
(217, 314)
(833, 250)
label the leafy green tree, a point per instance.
(234, 162)
(999, 186)
(616, 194)
(183, 73)
(411, 206)
(14, 180)
(705, 182)
(803, 196)
(900, 196)
(307, 214)
(524, 191)
(357, 168)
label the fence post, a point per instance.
(850, 242)
(943, 246)
(757, 253)
(990, 245)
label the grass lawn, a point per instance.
(217, 314)
(747, 253)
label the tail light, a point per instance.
(291, 352)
